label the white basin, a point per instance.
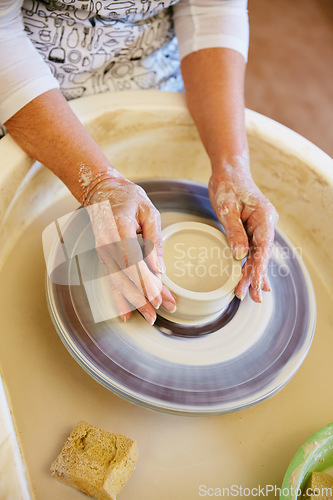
(150, 134)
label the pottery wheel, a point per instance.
(238, 359)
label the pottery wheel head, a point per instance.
(221, 363)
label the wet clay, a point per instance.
(195, 261)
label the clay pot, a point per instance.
(200, 270)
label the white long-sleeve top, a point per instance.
(87, 47)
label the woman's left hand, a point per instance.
(249, 220)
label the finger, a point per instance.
(129, 251)
(121, 304)
(114, 260)
(131, 261)
(265, 284)
(128, 289)
(256, 295)
(150, 221)
(261, 248)
(168, 300)
(148, 312)
(109, 233)
(244, 283)
(151, 285)
(262, 224)
(229, 215)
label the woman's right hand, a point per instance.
(120, 210)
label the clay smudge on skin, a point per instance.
(223, 198)
(85, 178)
(88, 179)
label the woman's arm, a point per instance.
(213, 43)
(48, 130)
(42, 123)
(35, 112)
(214, 83)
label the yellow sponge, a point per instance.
(319, 487)
(96, 462)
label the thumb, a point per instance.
(150, 221)
(229, 216)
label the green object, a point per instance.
(315, 455)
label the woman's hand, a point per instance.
(119, 210)
(215, 97)
(249, 220)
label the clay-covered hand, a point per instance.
(249, 220)
(119, 210)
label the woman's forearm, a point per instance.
(48, 130)
(214, 85)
